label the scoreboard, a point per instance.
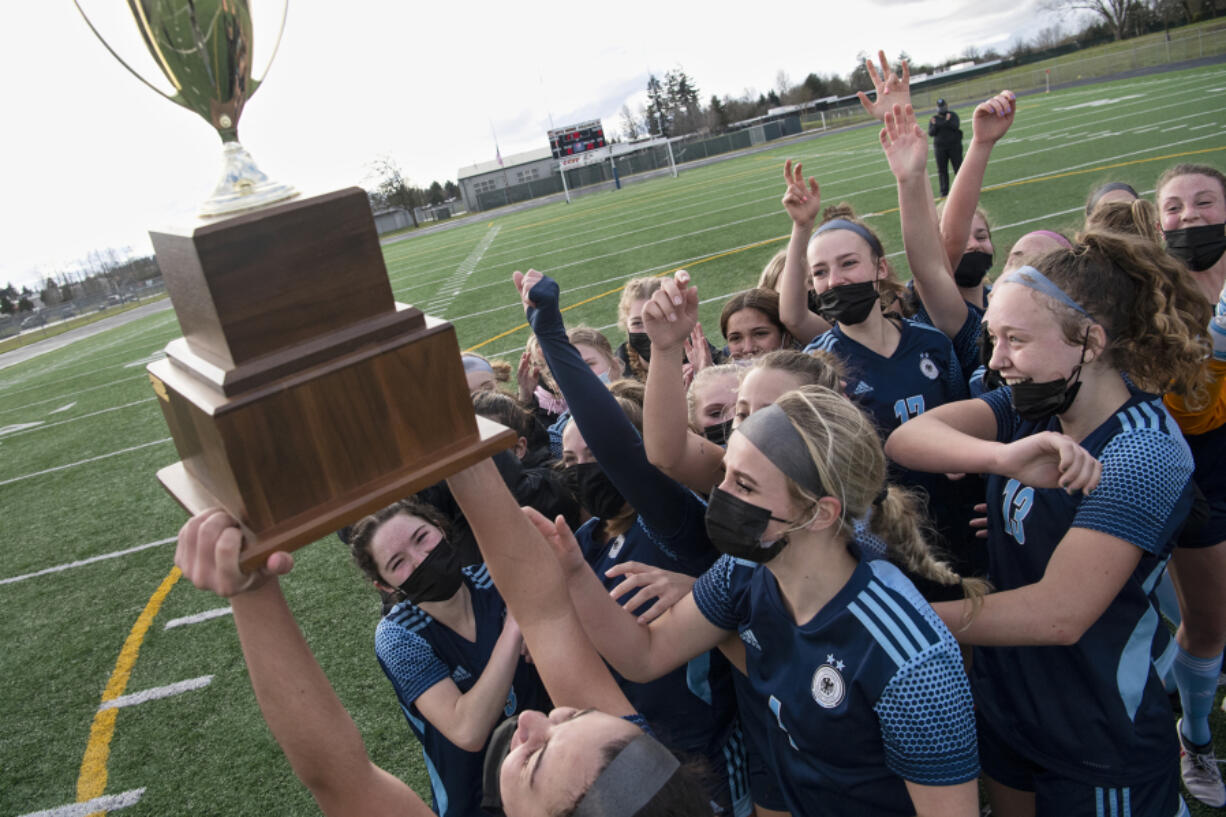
(575, 139)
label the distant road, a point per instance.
(33, 350)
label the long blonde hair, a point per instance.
(844, 446)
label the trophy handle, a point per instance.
(255, 83)
(131, 70)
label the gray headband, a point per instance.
(860, 230)
(472, 363)
(772, 433)
(1104, 190)
(627, 784)
(1030, 277)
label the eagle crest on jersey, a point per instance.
(929, 368)
(828, 686)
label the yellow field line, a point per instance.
(91, 781)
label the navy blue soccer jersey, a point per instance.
(1095, 711)
(922, 373)
(417, 652)
(966, 342)
(868, 694)
(693, 708)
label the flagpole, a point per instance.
(506, 181)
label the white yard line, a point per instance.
(157, 693)
(83, 562)
(109, 802)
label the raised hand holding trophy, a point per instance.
(301, 395)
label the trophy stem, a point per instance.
(243, 186)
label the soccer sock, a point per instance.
(1168, 602)
(1197, 679)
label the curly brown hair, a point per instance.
(1153, 314)
(1137, 217)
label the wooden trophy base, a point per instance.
(302, 397)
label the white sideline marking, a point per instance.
(63, 408)
(142, 401)
(450, 288)
(83, 462)
(18, 427)
(108, 802)
(144, 361)
(82, 562)
(1095, 103)
(157, 692)
(199, 617)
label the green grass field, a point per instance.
(81, 437)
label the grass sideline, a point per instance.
(79, 485)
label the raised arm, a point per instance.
(640, 653)
(989, 123)
(612, 438)
(683, 455)
(530, 580)
(891, 89)
(803, 202)
(300, 707)
(906, 149)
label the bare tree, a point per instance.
(392, 188)
(630, 124)
(1117, 14)
(1049, 37)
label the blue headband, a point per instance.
(860, 230)
(1028, 276)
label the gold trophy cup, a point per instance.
(205, 50)
(301, 395)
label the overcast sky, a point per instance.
(93, 158)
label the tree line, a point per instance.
(674, 106)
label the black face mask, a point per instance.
(438, 576)
(594, 490)
(1198, 247)
(812, 296)
(719, 432)
(491, 768)
(640, 343)
(735, 527)
(971, 269)
(1040, 401)
(848, 304)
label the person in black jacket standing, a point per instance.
(947, 139)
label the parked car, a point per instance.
(69, 312)
(33, 321)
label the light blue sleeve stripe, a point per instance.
(1154, 422)
(1125, 423)
(876, 633)
(1098, 803)
(1132, 673)
(909, 647)
(698, 676)
(890, 602)
(441, 801)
